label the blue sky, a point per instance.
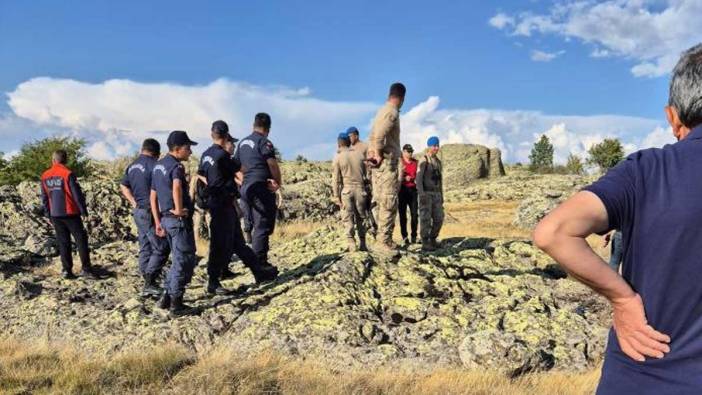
(495, 74)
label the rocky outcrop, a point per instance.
(307, 192)
(475, 302)
(467, 162)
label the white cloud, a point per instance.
(541, 56)
(514, 132)
(501, 21)
(658, 138)
(652, 33)
(116, 115)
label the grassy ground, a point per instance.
(39, 368)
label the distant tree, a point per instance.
(35, 157)
(3, 161)
(300, 158)
(541, 157)
(575, 165)
(606, 154)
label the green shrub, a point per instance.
(575, 165)
(541, 157)
(606, 154)
(35, 157)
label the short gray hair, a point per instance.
(686, 87)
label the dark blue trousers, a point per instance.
(261, 202)
(181, 239)
(153, 250)
(226, 239)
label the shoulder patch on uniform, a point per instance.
(248, 143)
(208, 159)
(137, 166)
(160, 168)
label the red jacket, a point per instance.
(61, 194)
(409, 169)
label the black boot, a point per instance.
(68, 275)
(215, 288)
(150, 286)
(165, 301)
(179, 309)
(89, 273)
(264, 273)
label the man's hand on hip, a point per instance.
(637, 339)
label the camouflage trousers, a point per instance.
(355, 211)
(431, 214)
(386, 186)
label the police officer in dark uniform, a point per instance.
(226, 238)
(172, 209)
(136, 188)
(262, 179)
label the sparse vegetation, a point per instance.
(44, 368)
(35, 157)
(606, 154)
(541, 157)
(575, 165)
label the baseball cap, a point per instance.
(433, 141)
(231, 138)
(352, 129)
(407, 148)
(179, 137)
(343, 136)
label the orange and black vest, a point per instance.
(61, 194)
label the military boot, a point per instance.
(265, 273)
(406, 242)
(387, 247)
(214, 287)
(352, 244)
(165, 301)
(150, 286)
(427, 245)
(179, 309)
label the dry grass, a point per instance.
(42, 369)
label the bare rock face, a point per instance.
(467, 162)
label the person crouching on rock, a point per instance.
(136, 188)
(430, 195)
(348, 175)
(64, 204)
(172, 208)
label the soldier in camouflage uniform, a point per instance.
(384, 153)
(430, 195)
(348, 177)
(360, 148)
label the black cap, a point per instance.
(408, 148)
(231, 138)
(220, 128)
(179, 137)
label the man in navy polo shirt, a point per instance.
(653, 197)
(261, 180)
(172, 209)
(226, 238)
(136, 188)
